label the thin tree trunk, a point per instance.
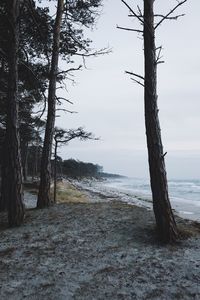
(14, 177)
(166, 225)
(45, 173)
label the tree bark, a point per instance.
(24, 153)
(13, 182)
(45, 173)
(55, 171)
(166, 225)
(4, 178)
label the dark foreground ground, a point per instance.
(95, 251)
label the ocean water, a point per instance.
(184, 194)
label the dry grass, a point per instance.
(188, 229)
(67, 193)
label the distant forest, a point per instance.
(65, 168)
(78, 169)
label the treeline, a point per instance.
(78, 169)
(65, 168)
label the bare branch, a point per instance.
(64, 99)
(102, 51)
(66, 110)
(164, 154)
(134, 74)
(169, 13)
(132, 11)
(140, 83)
(69, 70)
(139, 10)
(170, 18)
(158, 61)
(129, 29)
(136, 16)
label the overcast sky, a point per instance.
(111, 105)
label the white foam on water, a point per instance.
(184, 194)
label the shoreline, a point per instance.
(188, 210)
(101, 248)
(95, 190)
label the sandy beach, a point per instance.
(93, 246)
(184, 208)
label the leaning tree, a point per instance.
(63, 137)
(68, 40)
(166, 225)
(45, 173)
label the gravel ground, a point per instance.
(96, 251)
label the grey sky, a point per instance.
(111, 105)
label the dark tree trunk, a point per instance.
(24, 152)
(55, 171)
(45, 173)
(166, 225)
(13, 182)
(4, 178)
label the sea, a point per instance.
(184, 194)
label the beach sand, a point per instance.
(96, 248)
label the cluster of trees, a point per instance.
(77, 169)
(32, 39)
